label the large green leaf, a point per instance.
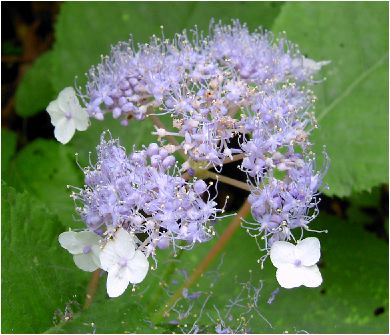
(38, 277)
(35, 90)
(352, 106)
(45, 168)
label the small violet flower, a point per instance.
(84, 246)
(67, 115)
(296, 264)
(123, 263)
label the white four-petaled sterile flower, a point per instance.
(296, 264)
(84, 246)
(123, 263)
(67, 115)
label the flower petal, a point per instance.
(137, 268)
(70, 105)
(64, 130)
(117, 281)
(108, 256)
(95, 254)
(124, 244)
(313, 276)
(81, 118)
(55, 112)
(85, 262)
(308, 251)
(70, 242)
(282, 253)
(88, 238)
(289, 276)
(67, 99)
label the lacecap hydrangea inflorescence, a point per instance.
(231, 84)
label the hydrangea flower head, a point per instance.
(235, 95)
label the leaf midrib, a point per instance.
(350, 88)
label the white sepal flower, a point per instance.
(296, 264)
(67, 115)
(123, 263)
(84, 246)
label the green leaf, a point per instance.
(353, 101)
(35, 90)
(38, 276)
(255, 14)
(8, 148)
(119, 315)
(44, 168)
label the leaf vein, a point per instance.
(353, 85)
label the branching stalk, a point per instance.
(171, 139)
(226, 180)
(236, 158)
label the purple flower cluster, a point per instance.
(232, 84)
(144, 194)
(285, 202)
(202, 82)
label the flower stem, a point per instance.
(226, 180)
(171, 139)
(206, 261)
(92, 288)
(237, 157)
